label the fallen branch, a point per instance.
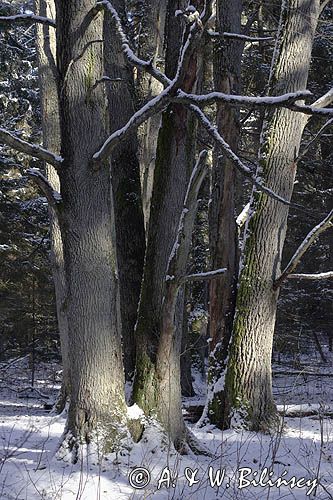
(30, 149)
(304, 246)
(27, 19)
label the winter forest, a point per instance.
(165, 241)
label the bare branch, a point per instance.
(52, 196)
(318, 276)
(26, 19)
(284, 100)
(236, 161)
(160, 102)
(179, 252)
(210, 275)
(30, 149)
(304, 246)
(314, 140)
(156, 105)
(239, 36)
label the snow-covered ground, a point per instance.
(242, 462)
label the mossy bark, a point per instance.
(174, 162)
(248, 378)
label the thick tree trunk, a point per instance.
(223, 231)
(97, 407)
(248, 378)
(151, 44)
(174, 161)
(125, 174)
(46, 54)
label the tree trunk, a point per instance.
(97, 407)
(248, 378)
(125, 174)
(223, 231)
(174, 161)
(46, 54)
(151, 47)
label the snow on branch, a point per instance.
(304, 246)
(52, 196)
(210, 275)
(160, 102)
(284, 100)
(156, 105)
(240, 37)
(33, 150)
(236, 161)
(26, 19)
(317, 276)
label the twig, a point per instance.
(319, 276)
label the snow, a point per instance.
(242, 466)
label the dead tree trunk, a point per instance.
(248, 378)
(175, 156)
(223, 231)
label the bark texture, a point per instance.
(46, 54)
(97, 406)
(125, 176)
(174, 162)
(248, 378)
(223, 231)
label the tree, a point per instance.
(248, 381)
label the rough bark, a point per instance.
(174, 161)
(97, 406)
(223, 231)
(125, 174)
(248, 378)
(151, 45)
(46, 54)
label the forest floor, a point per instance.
(29, 436)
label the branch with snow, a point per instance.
(304, 246)
(240, 37)
(26, 19)
(228, 152)
(33, 150)
(52, 196)
(316, 276)
(160, 102)
(208, 276)
(284, 100)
